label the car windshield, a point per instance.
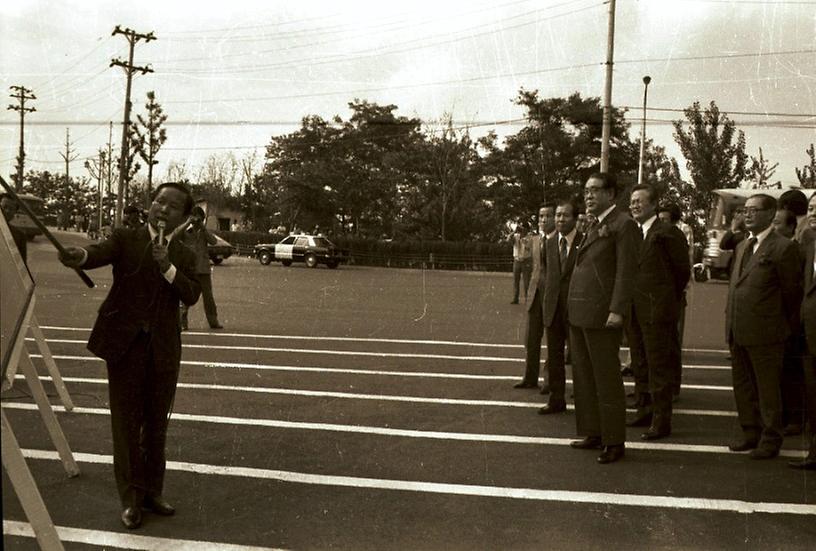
(288, 241)
(322, 242)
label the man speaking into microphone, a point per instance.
(137, 333)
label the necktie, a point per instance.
(642, 231)
(563, 251)
(749, 251)
(592, 221)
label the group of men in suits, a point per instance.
(629, 273)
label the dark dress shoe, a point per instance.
(545, 389)
(513, 302)
(642, 419)
(588, 443)
(525, 384)
(552, 408)
(656, 433)
(611, 454)
(627, 371)
(743, 445)
(132, 517)
(159, 505)
(808, 464)
(216, 325)
(764, 452)
(792, 429)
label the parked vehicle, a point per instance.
(311, 249)
(716, 261)
(221, 250)
(22, 221)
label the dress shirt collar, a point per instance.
(760, 237)
(154, 233)
(605, 213)
(570, 238)
(647, 225)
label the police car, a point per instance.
(311, 249)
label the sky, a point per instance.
(230, 75)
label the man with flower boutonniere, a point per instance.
(764, 297)
(600, 294)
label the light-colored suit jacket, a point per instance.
(537, 279)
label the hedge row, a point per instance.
(442, 255)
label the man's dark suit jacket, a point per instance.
(809, 300)
(604, 274)
(764, 300)
(662, 274)
(141, 298)
(556, 287)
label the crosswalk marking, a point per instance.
(534, 494)
(122, 540)
(360, 396)
(407, 433)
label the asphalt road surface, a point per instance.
(368, 408)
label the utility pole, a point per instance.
(607, 108)
(646, 80)
(109, 177)
(132, 37)
(21, 94)
(68, 156)
(97, 170)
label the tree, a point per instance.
(761, 171)
(148, 141)
(714, 150)
(807, 175)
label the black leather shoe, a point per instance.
(588, 443)
(552, 408)
(216, 325)
(793, 429)
(808, 464)
(525, 384)
(764, 453)
(611, 454)
(545, 389)
(743, 445)
(656, 433)
(132, 517)
(641, 419)
(627, 371)
(513, 302)
(159, 505)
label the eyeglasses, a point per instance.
(753, 210)
(593, 190)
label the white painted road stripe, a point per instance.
(363, 339)
(383, 397)
(407, 433)
(563, 496)
(377, 372)
(122, 540)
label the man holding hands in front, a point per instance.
(137, 334)
(600, 293)
(764, 296)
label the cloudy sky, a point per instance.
(232, 74)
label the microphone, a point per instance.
(160, 224)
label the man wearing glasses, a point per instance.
(764, 295)
(600, 293)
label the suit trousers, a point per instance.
(810, 394)
(532, 340)
(793, 381)
(141, 387)
(600, 401)
(660, 342)
(556, 343)
(522, 270)
(756, 373)
(637, 358)
(210, 309)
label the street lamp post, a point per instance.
(646, 81)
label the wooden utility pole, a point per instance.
(124, 166)
(607, 108)
(21, 94)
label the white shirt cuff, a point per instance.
(84, 257)
(170, 274)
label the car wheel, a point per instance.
(217, 261)
(311, 261)
(265, 257)
(286, 263)
(333, 264)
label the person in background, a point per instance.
(137, 334)
(534, 331)
(522, 260)
(9, 207)
(784, 223)
(197, 237)
(133, 217)
(764, 298)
